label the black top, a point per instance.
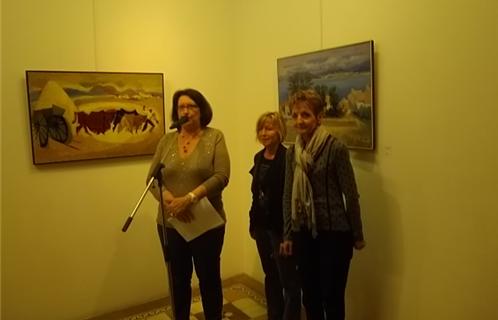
(267, 188)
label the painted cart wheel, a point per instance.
(57, 128)
(41, 130)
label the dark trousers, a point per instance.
(323, 264)
(204, 254)
(282, 290)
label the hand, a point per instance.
(359, 244)
(167, 196)
(286, 248)
(178, 208)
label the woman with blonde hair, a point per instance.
(283, 294)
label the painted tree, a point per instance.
(300, 81)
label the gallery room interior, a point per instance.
(428, 189)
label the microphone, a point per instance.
(178, 123)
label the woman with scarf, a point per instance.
(322, 221)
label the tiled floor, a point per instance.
(243, 299)
(239, 303)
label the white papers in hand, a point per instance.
(205, 218)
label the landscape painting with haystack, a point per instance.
(94, 115)
(343, 77)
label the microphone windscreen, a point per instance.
(177, 124)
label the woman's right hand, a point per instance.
(359, 244)
(167, 197)
(179, 208)
(286, 248)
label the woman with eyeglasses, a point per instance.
(196, 166)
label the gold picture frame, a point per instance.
(344, 77)
(78, 115)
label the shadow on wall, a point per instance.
(374, 284)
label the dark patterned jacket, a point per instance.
(335, 194)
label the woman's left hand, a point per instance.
(359, 244)
(286, 248)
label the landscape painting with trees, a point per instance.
(343, 76)
(93, 115)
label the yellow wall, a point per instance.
(1, 157)
(64, 255)
(427, 191)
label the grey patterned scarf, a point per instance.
(302, 206)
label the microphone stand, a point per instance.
(156, 175)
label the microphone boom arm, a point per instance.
(130, 218)
(155, 175)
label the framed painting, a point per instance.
(94, 115)
(343, 76)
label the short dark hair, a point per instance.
(200, 101)
(310, 97)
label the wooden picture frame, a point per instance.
(343, 76)
(78, 115)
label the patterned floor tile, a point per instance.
(239, 303)
(250, 307)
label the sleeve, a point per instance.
(252, 210)
(287, 196)
(347, 182)
(221, 166)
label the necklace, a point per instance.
(186, 145)
(187, 140)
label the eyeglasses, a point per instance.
(187, 107)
